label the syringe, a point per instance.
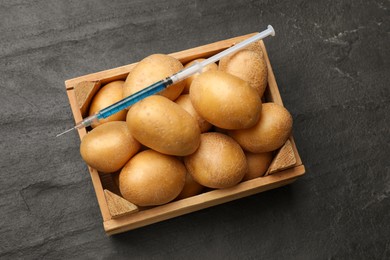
(163, 84)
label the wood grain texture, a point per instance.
(284, 158)
(149, 216)
(84, 92)
(331, 62)
(118, 206)
(201, 201)
(184, 56)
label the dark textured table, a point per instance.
(331, 61)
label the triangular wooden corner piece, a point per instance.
(284, 159)
(117, 205)
(84, 92)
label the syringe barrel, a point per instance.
(87, 121)
(270, 31)
(161, 85)
(134, 98)
(196, 67)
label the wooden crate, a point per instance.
(119, 217)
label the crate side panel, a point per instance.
(204, 200)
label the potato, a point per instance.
(108, 147)
(269, 134)
(225, 101)
(191, 188)
(150, 70)
(188, 81)
(164, 126)
(151, 178)
(219, 161)
(248, 64)
(255, 47)
(185, 102)
(106, 96)
(258, 164)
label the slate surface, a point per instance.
(331, 61)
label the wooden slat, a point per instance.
(272, 85)
(208, 50)
(297, 157)
(108, 182)
(118, 206)
(84, 92)
(185, 56)
(106, 76)
(284, 158)
(201, 201)
(273, 95)
(94, 173)
(151, 215)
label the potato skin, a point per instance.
(151, 178)
(225, 101)
(106, 96)
(108, 147)
(191, 188)
(185, 102)
(150, 70)
(258, 164)
(255, 47)
(269, 134)
(248, 64)
(164, 126)
(188, 81)
(219, 161)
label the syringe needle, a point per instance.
(66, 131)
(164, 83)
(83, 123)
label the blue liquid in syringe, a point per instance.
(130, 100)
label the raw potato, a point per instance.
(151, 178)
(191, 188)
(152, 69)
(108, 147)
(188, 81)
(219, 161)
(106, 96)
(269, 134)
(258, 164)
(248, 64)
(225, 101)
(256, 47)
(185, 102)
(164, 126)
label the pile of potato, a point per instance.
(210, 130)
